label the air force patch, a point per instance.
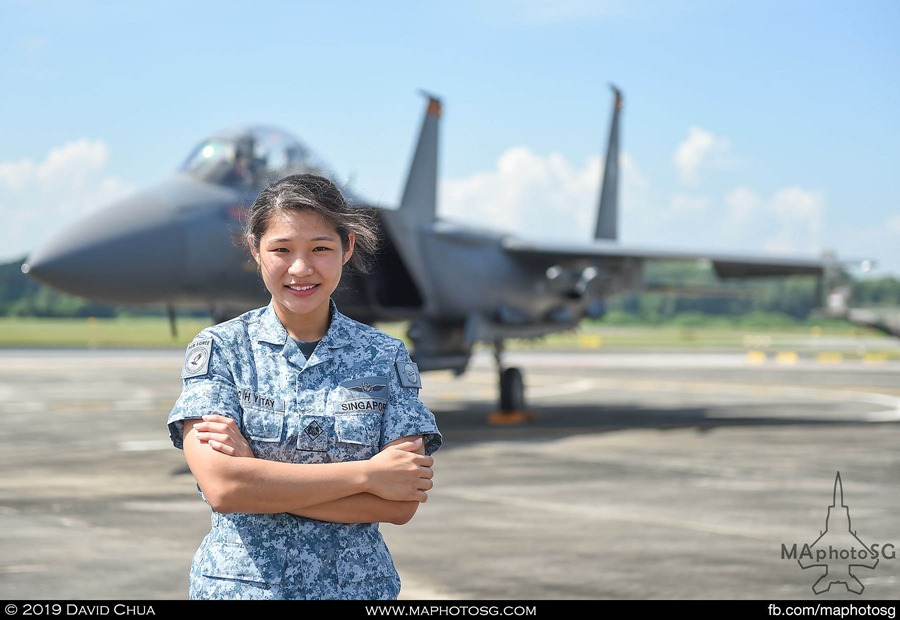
(409, 375)
(196, 358)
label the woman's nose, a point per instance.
(300, 266)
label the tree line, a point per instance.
(672, 290)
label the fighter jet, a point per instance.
(454, 286)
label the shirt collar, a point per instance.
(270, 329)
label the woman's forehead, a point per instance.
(296, 222)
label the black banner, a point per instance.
(29, 610)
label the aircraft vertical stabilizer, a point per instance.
(608, 207)
(409, 224)
(419, 201)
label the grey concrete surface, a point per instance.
(642, 476)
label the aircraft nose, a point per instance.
(124, 253)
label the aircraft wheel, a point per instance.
(512, 390)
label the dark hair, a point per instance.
(316, 194)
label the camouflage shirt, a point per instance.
(358, 391)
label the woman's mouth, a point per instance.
(302, 289)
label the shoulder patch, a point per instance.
(196, 358)
(409, 375)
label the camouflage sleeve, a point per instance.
(207, 387)
(406, 414)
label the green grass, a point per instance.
(154, 332)
(150, 332)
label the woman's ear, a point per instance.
(348, 251)
(254, 251)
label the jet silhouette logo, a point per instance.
(838, 552)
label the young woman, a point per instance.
(303, 428)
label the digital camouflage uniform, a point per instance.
(358, 391)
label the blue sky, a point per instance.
(748, 127)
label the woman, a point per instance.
(303, 428)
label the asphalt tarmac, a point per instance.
(642, 476)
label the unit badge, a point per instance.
(196, 358)
(409, 375)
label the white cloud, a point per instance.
(547, 197)
(528, 195)
(700, 150)
(790, 221)
(877, 243)
(689, 204)
(37, 198)
(798, 215)
(743, 205)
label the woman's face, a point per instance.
(301, 258)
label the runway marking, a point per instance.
(891, 404)
(560, 389)
(24, 406)
(612, 514)
(167, 506)
(17, 569)
(151, 445)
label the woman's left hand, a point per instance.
(221, 433)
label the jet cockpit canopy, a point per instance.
(248, 157)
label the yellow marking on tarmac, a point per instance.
(786, 357)
(827, 357)
(875, 358)
(590, 341)
(452, 395)
(756, 357)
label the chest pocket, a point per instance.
(263, 416)
(359, 406)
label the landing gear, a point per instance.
(512, 390)
(512, 393)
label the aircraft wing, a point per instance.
(885, 320)
(605, 253)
